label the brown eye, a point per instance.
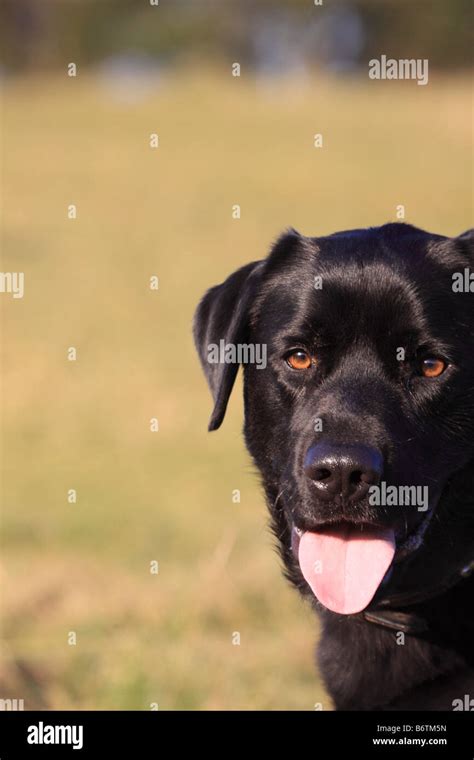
(432, 367)
(299, 360)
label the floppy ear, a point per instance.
(223, 315)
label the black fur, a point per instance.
(382, 288)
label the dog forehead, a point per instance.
(387, 274)
(331, 287)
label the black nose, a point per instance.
(343, 470)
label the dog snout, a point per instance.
(344, 471)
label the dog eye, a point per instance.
(299, 360)
(432, 366)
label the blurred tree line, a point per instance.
(36, 34)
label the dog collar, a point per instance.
(387, 616)
(404, 622)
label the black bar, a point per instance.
(374, 734)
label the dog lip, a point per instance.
(406, 545)
(297, 532)
(413, 540)
(331, 523)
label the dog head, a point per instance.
(358, 357)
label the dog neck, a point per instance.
(447, 569)
(389, 616)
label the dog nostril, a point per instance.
(322, 474)
(356, 477)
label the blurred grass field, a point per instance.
(167, 496)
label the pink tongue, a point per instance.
(346, 565)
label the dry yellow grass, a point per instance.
(166, 496)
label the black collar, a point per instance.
(387, 615)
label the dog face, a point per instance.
(362, 416)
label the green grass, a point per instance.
(167, 496)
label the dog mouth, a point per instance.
(346, 563)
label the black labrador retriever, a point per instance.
(358, 356)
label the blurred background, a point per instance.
(86, 621)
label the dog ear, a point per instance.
(467, 239)
(465, 245)
(223, 315)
